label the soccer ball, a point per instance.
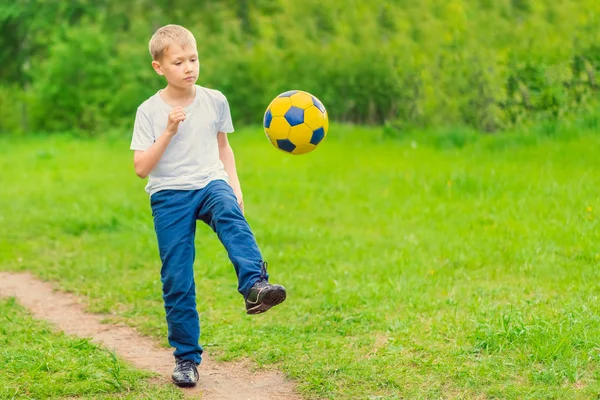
(296, 122)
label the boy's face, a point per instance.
(179, 66)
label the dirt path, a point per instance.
(218, 381)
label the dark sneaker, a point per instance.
(185, 373)
(263, 296)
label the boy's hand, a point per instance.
(176, 116)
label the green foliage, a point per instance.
(489, 65)
(85, 82)
(76, 84)
(11, 108)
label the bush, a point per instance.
(12, 110)
(487, 65)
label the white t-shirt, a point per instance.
(191, 160)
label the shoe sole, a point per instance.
(269, 299)
(185, 384)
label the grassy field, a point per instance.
(414, 270)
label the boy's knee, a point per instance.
(228, 209)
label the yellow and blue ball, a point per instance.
(296, 122)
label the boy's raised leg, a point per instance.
(220, 210)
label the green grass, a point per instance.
(37, 363)
(415, 269)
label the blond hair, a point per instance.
(167, 35)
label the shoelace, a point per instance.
(263, 271)
(186, 364)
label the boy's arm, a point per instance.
(145, 161)
(228, 160)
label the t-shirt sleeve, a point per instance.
(225, 123)
(142, 132)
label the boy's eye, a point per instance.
(194, 59)
(178, 63)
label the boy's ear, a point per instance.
(157, 67)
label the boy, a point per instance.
(180, 143)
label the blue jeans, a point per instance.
(175, 214)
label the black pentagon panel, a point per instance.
(268, 118)
(288, 93)
(294, 116)
(286, 145)
(318, 104)
(317, 136)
